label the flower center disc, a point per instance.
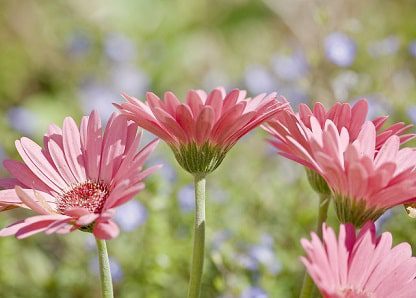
(90, 195)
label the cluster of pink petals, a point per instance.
(77, 179)
(360, 266)
(292, 132)
(216, 118)
(381, 178)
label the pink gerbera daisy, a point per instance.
(364, 180)
(202, 130)
(360, 266)
(78, 179)
(292, 132)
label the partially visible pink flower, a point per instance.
(203, 129)
(364, 182)
(360, 266)
(292, 132)
(78, 179)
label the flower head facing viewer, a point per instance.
(360, 266)
(77, 179)
(204, 128)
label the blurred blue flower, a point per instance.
(219, 238)
(90, 242)
(254, 292)
(115, 267)
(381, 221)
(97, 96)
(290, 68)
(259, 80)
(78, 44)
(186, 198)
(130, 80)
(412, 48)
(294, 93)
(218, 195)
(267, 239)
(384, 47)
(343, 83)
(377, 106)
(131, 215)
(119, 48)
(340, 49)
(287, 172)
(167, 172)
(22, 120)
(265, 256)
(214, 78)
(247, 262)
(411, 112)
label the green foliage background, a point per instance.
(50, 50)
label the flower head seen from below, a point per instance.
(292, 133)
(365, 182)
(204, 128)
(361, 265)
(78, 179)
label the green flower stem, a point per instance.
(308, 285)
(199, 238)
(105, 273)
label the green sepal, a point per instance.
(199, 159)
(355, 211)
(317, 182)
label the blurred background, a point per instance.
(60, 58)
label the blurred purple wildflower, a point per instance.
(78, 44)
(186, 198)
(343, 83)
(22, 120)
(294, 93)
(384, 47)
(267, 240)
(411, 112)
(254, 292)
(90, 242)
(218, 195)
(214, 78)
(290, 67)
(94, 95)
(412, 48)
(381, 221)
(167, 172)
(265, 256)
(246, 262)
(260, 255)
(259, 80)
(340, 49)
(131, 215)
(129, 79)
(115, 267)
(119, 48)
(219, 238)
(377, 106)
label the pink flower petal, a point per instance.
(106, 230)
(72, 149)
(113, 148)
(33, 157)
